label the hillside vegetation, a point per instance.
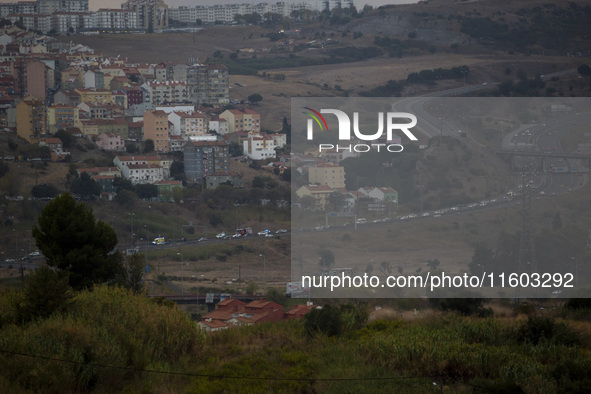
(108, 340)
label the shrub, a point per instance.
(326, 321)
(541, 328)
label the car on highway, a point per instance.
(159, 241)
(263, 233)
(221, 235)
(281, 231)
(202, 239)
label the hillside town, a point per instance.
(149, 116)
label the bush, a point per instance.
(326, 321)
(466, 306)
(108, 326)
(540, 328)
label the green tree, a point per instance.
(126, 198)
(255, 98)
(67, 138)
(252, 19)
(177, 170)
(252, 288)
(308, 203)
(72, 240)
(131, 274)
(12, 145)
(584, 69)
(146, 191)
(4, 168)
(235, 149)
(122, 184)
(148, 146)
(86, 187)
(258, 181)
(276, 295)
(44, 191)
(45, 292)
(327, 321)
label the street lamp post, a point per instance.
(264, 271)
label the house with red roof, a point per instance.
(232, 312)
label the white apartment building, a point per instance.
(67, 22)
(219, 125)
(188, 124)
(142, 173)
(116, 19)
(53, 6)
(37, 22)
(259, 146)
(225, 12)
(160, 93)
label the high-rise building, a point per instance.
(53, 6)
(36, 80)
(156, 129)
(151, 14)
(30, 119)
(208, 84)
(203, 158)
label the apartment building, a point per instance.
(203, 158)
(156, 129)
(329, 174)
(116, 20)
(165, 92)
(242, 120)
(151, 14)
(30, 119)
(208, 84)
(62, 116)
(259, 146)
(188, 124)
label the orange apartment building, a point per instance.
(156, 129)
